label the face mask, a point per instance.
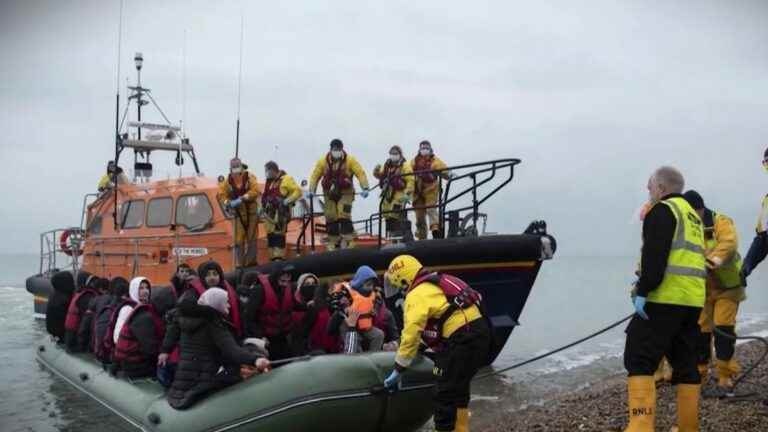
(425, 152)
(336, 154)
(270, 175)
(394, 157)
(237, 170)
(765, 165)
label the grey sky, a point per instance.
(592, 98)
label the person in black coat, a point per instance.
(58, 302)
(102, 309)
(210, 356)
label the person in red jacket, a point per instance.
(271, 308)
(78, 305)
(140, 335)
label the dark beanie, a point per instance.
(694, 199)
(337, 144)
(765, 153)
(271, 165)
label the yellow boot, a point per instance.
(726, 371)
(641, 399)
(462, 420)
(688, 407)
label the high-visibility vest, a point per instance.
(728, 275)
(685, 277)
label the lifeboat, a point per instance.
(147, 227)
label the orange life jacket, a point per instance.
(362, 304)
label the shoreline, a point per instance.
(603, 406)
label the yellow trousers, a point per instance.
(422, 201)
(338, 220)
(246, 235)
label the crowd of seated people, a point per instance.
(199, 334)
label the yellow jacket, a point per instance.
(726, 246)
(289, 189)
(437, 164)
(226, 193)
(106, 181)
(424, 302)
(405, 169)
(351, 168)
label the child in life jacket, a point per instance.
(357, 327)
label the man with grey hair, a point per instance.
(669, 297)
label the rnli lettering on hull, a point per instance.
(194, 252)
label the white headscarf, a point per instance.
(216, 298)
(125, 311)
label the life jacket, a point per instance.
(238, 191)
(271, 197)
(276, 317)
(128, 349)
(391, 175)
(107, 345)
(319, 338)
(362, 304)
(459, 295)
(101, 324)
(336, 178)
(234, 308)
(74, 313)
(422, 164)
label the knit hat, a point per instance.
(336, 144)
(694, 199)
(216, 298)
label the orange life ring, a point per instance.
(64, 243)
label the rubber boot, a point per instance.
(688, 407)
(462, 420)
(641, 399)
(726, 370)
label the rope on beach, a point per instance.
(555, 351)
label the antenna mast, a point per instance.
(117, 110)
(239, 88)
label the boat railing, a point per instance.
(454, 183)
(52, 253)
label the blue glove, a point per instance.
(235, 203)
(639, 303)
(287, 202)
(364, 193)
(309, 195)
(394, 381)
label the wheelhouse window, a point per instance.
(94, 225)
(194, 212)
(159, 212)
(132, 214)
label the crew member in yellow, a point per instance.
(724, 293)
(240, 192)
(427, 190)
(459, 335)
(670, 296)
(335, 171)
(397, 183)
(107, 181)
(280, 192)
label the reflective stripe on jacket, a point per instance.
(685, 276)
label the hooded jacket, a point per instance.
(125, 311)
(207, 343)
(58, 302)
